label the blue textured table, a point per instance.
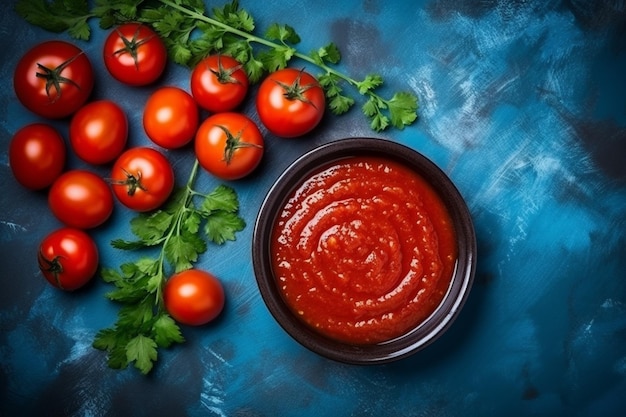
(523, 104)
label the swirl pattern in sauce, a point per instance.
(364, 250)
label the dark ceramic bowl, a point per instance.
(424, 333)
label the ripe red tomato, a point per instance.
(229, 145)
(290, 102)
(68, 258)
(81, 199)
(99, 131)
(142, 179)
(171, 117)
(193, 297)
(219, 83)
(53, 79)
(134, 54)
(37, 155)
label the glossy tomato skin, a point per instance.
(229, 145)
(67, 71)
(219, 83)
(37, 155)
(290, 103)
(99, 132)
(80, 199)
(134, 54)
(68, 258)
(171, 117)
(142, 179)
(194, 297)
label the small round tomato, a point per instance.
(37, 155)
(99, 131)
(134, 54)
(219, 83)
(81, 199)
(53, 79)
(290, 102)
(229, 145)
(193, 297)
(142, 179)
(171, 117)
(68, 258)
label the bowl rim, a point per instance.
(429, 330)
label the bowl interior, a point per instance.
(462, 278)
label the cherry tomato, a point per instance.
(193, 297)
(142, 179)
(171, 117)
(229, 145)
(68, 258)
(53, 79)
(290, 103)
(219, 83)
(81, 199)
(99, 131)
(134, 54)
(37, 155)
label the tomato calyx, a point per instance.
(225, 75)
(295, 91)
(132, 45)
(53, 266)
(53, 77)
(234, 142)
(131, 182)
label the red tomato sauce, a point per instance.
(364, 250)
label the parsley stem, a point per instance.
(192, 176)
(175, 229)
(227, 28)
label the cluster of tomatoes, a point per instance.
(55, 79)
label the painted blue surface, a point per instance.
(523, 104)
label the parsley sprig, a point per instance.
(190, 33)
(143, 325)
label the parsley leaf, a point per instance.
(371, 82)
(399, 111)
(276, 58)
(182, 250)
(166, 331)
(403, 109)
(230, 14)
(192, 222)
(151, 227)
(142, 350)
(106, 339)
(328, 54)
(283, 33)
(222, 226)
(112, 12)
(57, 16)
(337, 102)
(254, 69)
(223, 198)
